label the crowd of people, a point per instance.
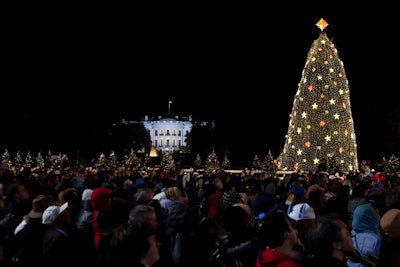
(175, 218)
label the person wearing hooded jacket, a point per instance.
(84, 229)
(101, 203)
(365, 232)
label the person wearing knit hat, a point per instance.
(390, 248)
(297, 190)
(140, 182)
(229, 198)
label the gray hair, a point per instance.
(140, 213)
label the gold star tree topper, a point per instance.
(322, 24)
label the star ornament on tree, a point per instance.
(322, 24)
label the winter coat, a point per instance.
(177, 231)
(274, 258)
(101, 199)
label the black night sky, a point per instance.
(70, 73)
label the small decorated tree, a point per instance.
(212, 163)
(146, 160)
(18, 161)
(6, 162)
(269, 164)
(112, 161)
(198, 163)
(28, 160)
(167, 162)
(392, 164)
(226, 164)
(256, 164)
(40, 160)
(101, 161)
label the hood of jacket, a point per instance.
(101, 198)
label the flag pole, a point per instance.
(169, 106)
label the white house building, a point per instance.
(167, 134)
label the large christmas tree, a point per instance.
(321, 125)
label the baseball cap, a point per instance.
(302, 211)
(50, 214)
(263, 206)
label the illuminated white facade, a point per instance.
(167, 134)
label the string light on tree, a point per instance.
(324, 128)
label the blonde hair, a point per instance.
(173, 193)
